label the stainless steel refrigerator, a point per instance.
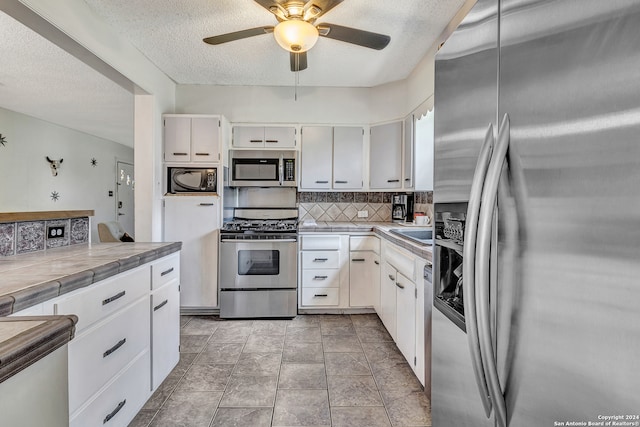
(536, 318)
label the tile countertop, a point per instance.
(380, 228)
(30, 279)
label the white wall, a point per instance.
(75, 18)
(27, 182)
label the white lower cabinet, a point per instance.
(120, 400)
(402, 303)
(364, 279)
(323, 275)
(165, 331)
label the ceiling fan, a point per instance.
(297, 31)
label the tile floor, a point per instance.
(313, 370)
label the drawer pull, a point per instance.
(255, 141)
(180, 154)
(392, 278)
(342, 182)
(113, 298)
(399, 285)
(203, 154)
(320, 277)
(159, 306)
(393, 180)
(376, 262)
(322, 182)
(272, 141)
(358, 260)
(206, 204)
(320, 295)
(114, 412)
(320, 259)
(114, 348)
(164, 273)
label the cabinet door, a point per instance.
(248, 136)
(165, 331)
(406, 317)
(364, 279)
(388, 291)
(407, 147)
(316, 157)
(385, 156)
(347, 157)
(177, 139)
(205, 139)
(279, 137)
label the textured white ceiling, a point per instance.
(41, 80)
(170, 33)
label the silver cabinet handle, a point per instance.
(320, 277)
(393, 180)
(203, 154)
(159, 306)
(164, 273)
(399, 285)
(320, 259)
(487, 207)
(206, 204)
(113, 298)
(114, 412)
(114, 348)
(320, 295)
(272, 141)
(342, 182)
(358, 260)
(180, 154)
(392, 278)
(469, 267)
(322, 182)
(255, 141)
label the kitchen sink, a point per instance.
(421, 236)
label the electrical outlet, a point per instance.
(363, 214)
(55, 232)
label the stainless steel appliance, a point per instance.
(258, 264)
(263, 168)
(537, 193)
(191, 180)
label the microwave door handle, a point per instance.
(281, 169)
(483, 255)
(469, 267)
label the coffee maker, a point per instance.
(402, 208)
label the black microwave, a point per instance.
(262, 168)
(191, 180)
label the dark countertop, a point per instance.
(25, 340)
(30, 279)
(382, 229)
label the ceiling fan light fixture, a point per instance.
(295, 35)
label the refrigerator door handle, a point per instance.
(483, 255)
(469, 267)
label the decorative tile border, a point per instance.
(24, 237)
(344, 206)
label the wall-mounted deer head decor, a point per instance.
(55, 165)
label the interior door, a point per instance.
(125, 187)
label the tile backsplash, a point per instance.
(23, 237)
(344, 206)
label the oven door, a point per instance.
(258, 264)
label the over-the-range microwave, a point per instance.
(262, 168)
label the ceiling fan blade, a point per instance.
(298, 61)
(354, 36)
(237, 35)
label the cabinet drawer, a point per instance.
(364, 243)
(101, 352)
(103, 298)
(403, 261)
(320, 242)
(323, 278)
(121, 400)
(320, 296)
(165, 270)
(320, 259)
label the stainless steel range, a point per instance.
(258, 264)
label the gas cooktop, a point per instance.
(239, 225)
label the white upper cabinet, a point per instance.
(408, 152)
(316, 157)
(332, 157)
(191, 139)
(347, 157)
(424, 153)
(385, 156)
(264, 136)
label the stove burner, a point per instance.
(266, 225)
